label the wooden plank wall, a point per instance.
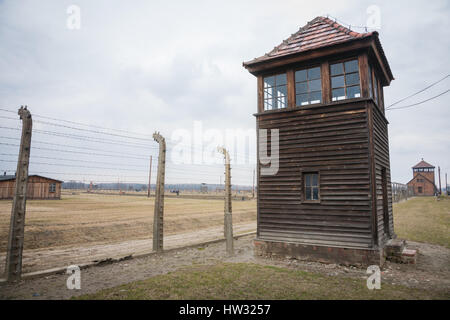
(332, 139)
(37, 188)
(381, 153)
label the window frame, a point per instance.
(52, 188)
(343, 61)
(306, 68)
(303, 189)
(264, 99)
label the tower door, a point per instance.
(385, 203)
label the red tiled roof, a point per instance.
(423, 164)
(318, 33)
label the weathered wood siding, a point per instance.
(381, 157)
(330, 139)
(37, 188)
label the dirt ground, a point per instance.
(432, 271)
(85, 219)
(63, 256)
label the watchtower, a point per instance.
(330, 199)
(423, 182)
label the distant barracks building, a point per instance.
(423, 179)
(38, 187)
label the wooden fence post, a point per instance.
(228, 221)
(159, 195)
(13, 270)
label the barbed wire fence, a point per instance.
(401, 192)
(105, 174)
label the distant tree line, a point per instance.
(143, 187)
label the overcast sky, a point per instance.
(143, 66)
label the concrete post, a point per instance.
(228, 221)
(13, 270)
(158, 218)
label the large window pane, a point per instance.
(314, 73)
(338, 94)
(280, 79)
(302, 99)
(301, 87)
(315, 97)
(275, 92)
(308, 86)
(352, 79)
(337, 82)
(315, 85)
(269, 82)
(351, 66)
(353, 92)
(337, 68)
(345, 80)
(300, 76)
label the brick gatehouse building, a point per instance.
(423, 179)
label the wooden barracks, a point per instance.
(331, 197)
(38, 187)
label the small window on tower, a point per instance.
(311, 186)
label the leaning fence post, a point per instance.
(159, 195)
(228, 220)
(13, 269)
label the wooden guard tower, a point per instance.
(330, 199)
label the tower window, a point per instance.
(375, 88)
(345, 80)
(311, 186)
(308, 86)
(275, 92)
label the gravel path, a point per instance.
(61, 257)
(431, 272)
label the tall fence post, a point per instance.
(158, 218)
(13, 270)
(228, 220)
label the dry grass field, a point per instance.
(424, 219)
(84, 218)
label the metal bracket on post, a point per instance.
(13, 269)
(159, 195)
(228, 220)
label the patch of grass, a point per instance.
(251, 281)
(423, 219)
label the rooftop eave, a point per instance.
(258, 65)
